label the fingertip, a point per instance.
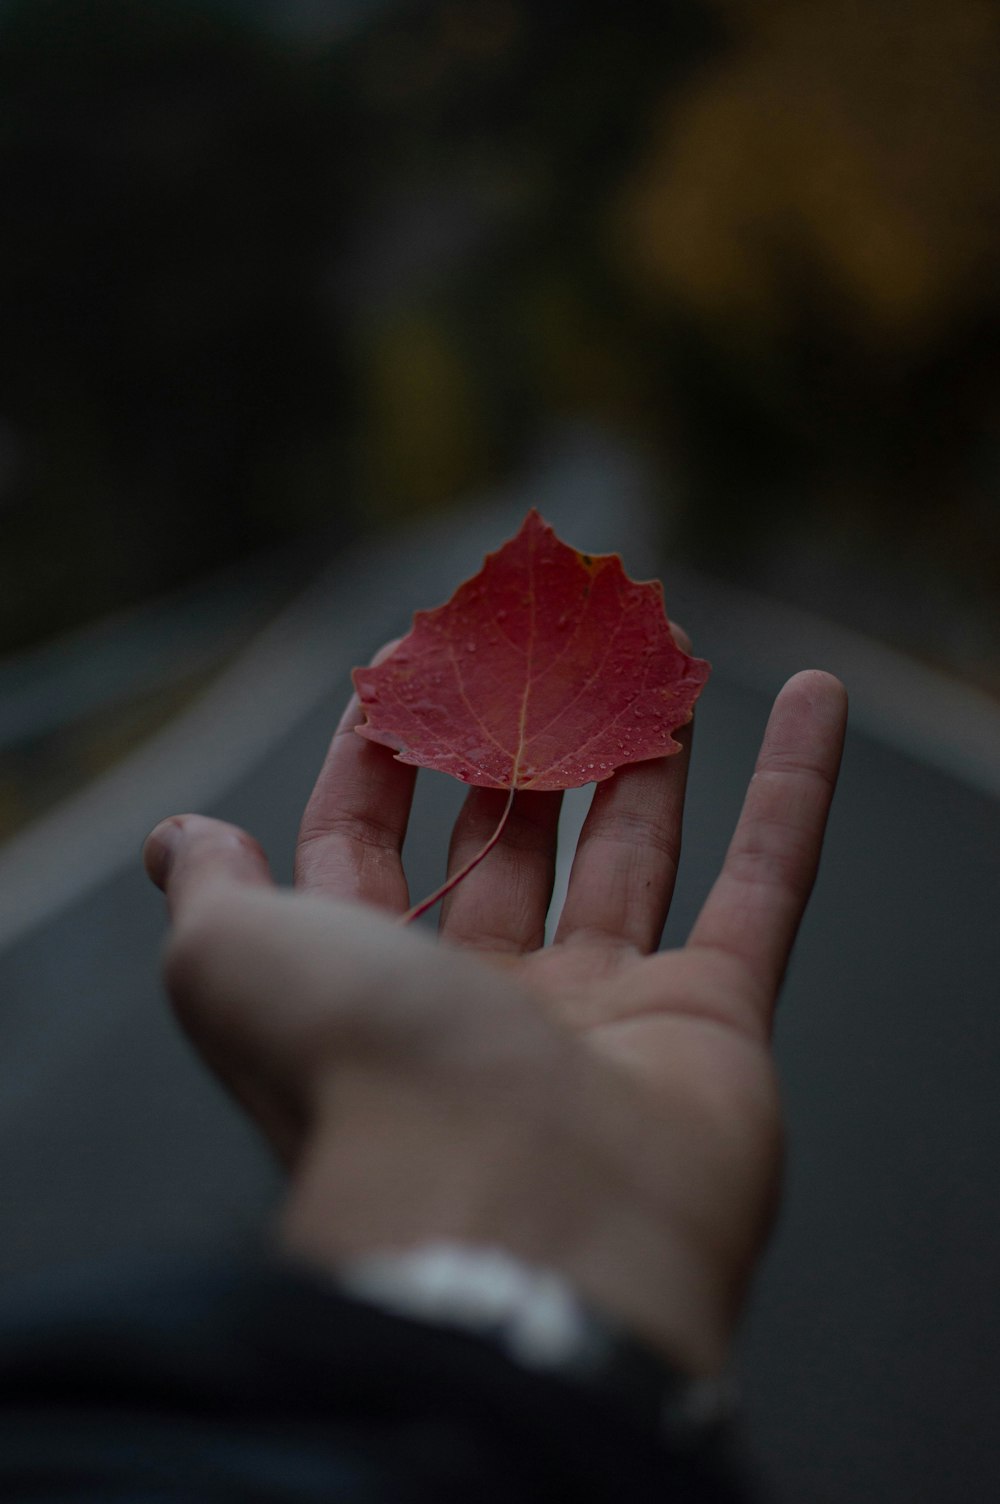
(184, 851)
(159, 848)
(681, 638)
(815, 703)
(353, 718)
(386, 651)
(820, 686)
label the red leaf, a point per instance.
(547, 670)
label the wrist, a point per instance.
(390, 1167)
(535, 1317)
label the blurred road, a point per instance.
(871, 1359)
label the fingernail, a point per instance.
(160, 848)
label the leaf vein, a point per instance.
(585, 686)
(472, 711)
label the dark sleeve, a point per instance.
(258, 1382)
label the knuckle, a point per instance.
(783, 870)
(358, 829)
(792, 766)
(635, 829)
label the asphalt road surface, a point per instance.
(871, 1358)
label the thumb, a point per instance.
(197, 861)
(188, 855)
(279, 991)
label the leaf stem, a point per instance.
(463, 872)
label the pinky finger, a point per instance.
(754, 910)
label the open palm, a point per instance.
(654, 1068)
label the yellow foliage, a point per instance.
(850, 144)
(425, 436)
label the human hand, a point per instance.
(593, 1106)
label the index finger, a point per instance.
(351, 837)
(754, 909)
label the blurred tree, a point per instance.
(249, 283)
(173, 188)
(501, 129)
(815, 226)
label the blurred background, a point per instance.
(302, 304)
(273, 275)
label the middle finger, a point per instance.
(501, 905)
